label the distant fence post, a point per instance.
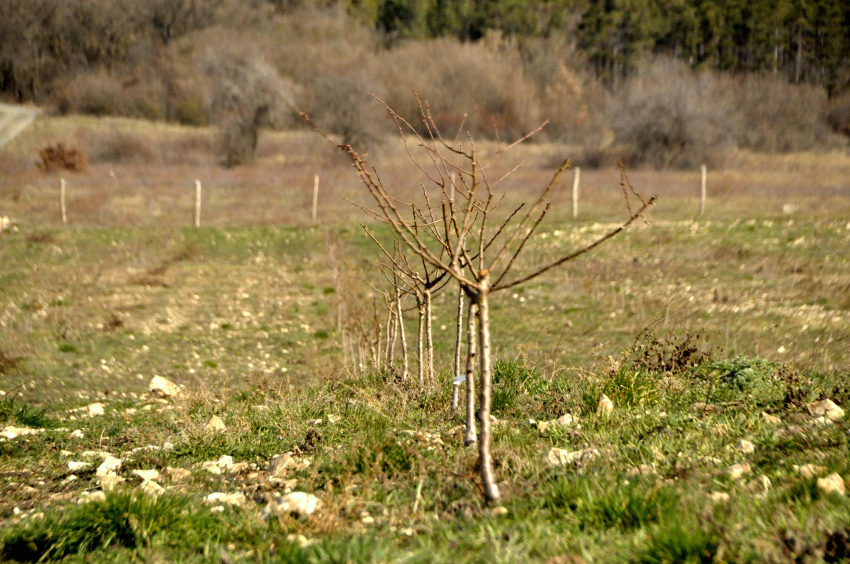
(576, 177)
(315, 196)
(702, 189)
(197, 203)
(62, 200)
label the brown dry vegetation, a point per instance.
(323, 61)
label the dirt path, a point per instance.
(13, 120)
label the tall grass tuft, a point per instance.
(125, 520)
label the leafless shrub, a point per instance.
(105, 92)
(671, 116)
(247, 94)
(341, 104)
(568, 98)
(473, 84)
(121, 147)
(839, 114)
(778, 117)
(62, 157)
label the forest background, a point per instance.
(662, 83)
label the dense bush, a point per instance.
(672, 117)
(779, 117)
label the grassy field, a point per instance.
(747, 305)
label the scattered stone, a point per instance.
(643, 470)
(286, 485)
(563, 421)
(563, 457)
(367, 519)
(300, 540)
(826, 408)
(832, 484)
(238, 467)
(737, 471)
(7, 224)
(334, 419)
(408, 532)
(605, 407)
(165, 446)
(146, 475)
(110, 465)
(771, 419)
(216, 466)
(790, 431)
(94, 409)
(74, 465)
(765, 484)
(69, 479)
(110, 482)
(745, 446)
(701, 407)
(76, 434)
(277, 467)
(719, 497)
(800, 418)
(499, 511)
(822, 421)
(11, 432)
(87, 497)
(217, 509)
(163, 388)
(314, 422)
(809, 471)
(95, 454)
(237, 499)
(298, 503)
(178, 474)
(215, 425)
(152, 488)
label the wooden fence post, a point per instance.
(62, 200)
(315, 196)
(197, 203)
(576, 177)
(702, 189)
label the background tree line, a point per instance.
(805, 40)
(769, 76)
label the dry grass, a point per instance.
(142, 173)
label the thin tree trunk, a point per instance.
(457, 375)
(485, 457)
(392, 334)
(421, 337)
(377, 350)
(429, 340)
(400, 318)
(388, 351)
(471, 435)
(344, 350)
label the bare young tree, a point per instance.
(247, 95)
(447, 235)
